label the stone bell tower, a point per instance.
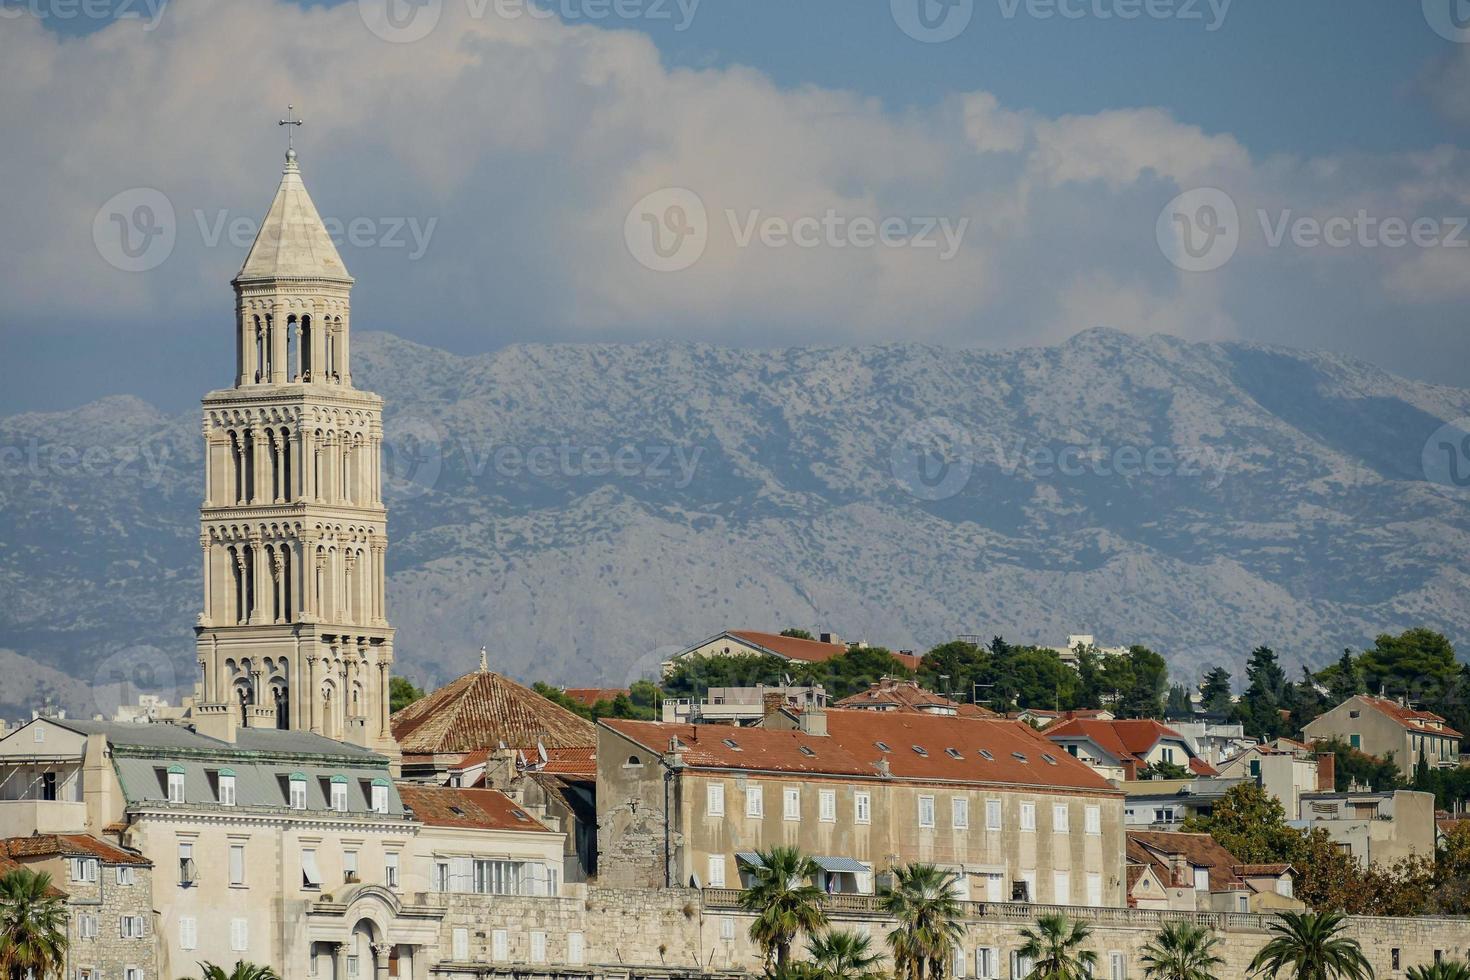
(294, 632)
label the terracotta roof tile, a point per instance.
(812, 651)
(483, 710)
(1153, 847)
(591, 695)
(446, 806)
(852, 748)
(1126, 740)
(1410, 718)
(70, 845)
(904, 695)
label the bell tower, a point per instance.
(294, 631)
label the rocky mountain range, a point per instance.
(584, 510)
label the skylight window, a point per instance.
(954, 753)
(921, 751)
(730, 743)
(1021, 756)
(806, 750)
(883, 747)
(985, 754)
(1050, 759)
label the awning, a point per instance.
(750, 858)
(841, 865)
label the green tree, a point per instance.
(1355, 766)
(1214, 691)
(402, 693)
(1182, 951)
(1260, 707)
(1251, 825)
(242, 971)
(1343, 679)
(1423, 781)
(1055, 947)
(1178, 705)
(1305, 701)
(797, 633)
(842, 955)
(1163, 770)
(1030, 677)
(1145, 696)
(1443, 970)
(1089, 678)
(965, 664)
(930, 921)
(785, 903)
(693, 676)
(33, 926)
(1418, 663)
(1310, 946)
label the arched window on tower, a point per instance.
(293, 337)
(329, 369)
(304, 349)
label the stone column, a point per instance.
(313, 694)
(328, 493)
(257, 579)
(279, 326)
(339, 961)
(206, 616)
(258, 445)
(343, 353)
(384, 729)
(278, 587)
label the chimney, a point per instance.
(771, 703)
(1183, 873)
(216, 721)
(813, 721)
(1326, 772)
(831, 638)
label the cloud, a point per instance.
(521, 144)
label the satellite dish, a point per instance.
(541, 751)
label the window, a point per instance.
(130, 927)
(380, 796)
(755, 802)
(1061, 887)
(188, 933)
(959, 961)
(1028, 817)
(499, 945)
(1021, 966)
(1092, 819)
(576, 948)
(310, 877)
(460, 952)
(992, 814)
(827, 806)
(1117, 966)
(339, 795)
(862, 808)
(926, 811)
(987, 963)
(1061, 818)
(538, 947)
(298, 792)
(791, 803)
(441, 876)
(714, 805)
(86, 927)
(727, 929)
(1028, 882)
(237, 864)
(1167, 754)
(1094, 890)
(959, 813)
(176, 786)
(132, 973)
(1201, 879)
(84, 869)
(39, 734)
(124, 874)
(1395, 955)
(227, 789)
(717, 871)
(188, 874)
(1255, 767)
(349, 865)
(390, 869)
(1355, 741)
(995, 882)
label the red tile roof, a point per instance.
(811, 651)
(446, 806)
(591, 695)
(904, 695)
(70, 845)
(851, 748)
(483, 710)
(1128, 741)
(1155, 847)
(1410, 718)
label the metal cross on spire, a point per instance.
(288, 121)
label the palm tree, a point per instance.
(784, 902)
(1054, 946)
(923, 901)
(1181, 951)
(840, 955)
(1444, 970)
(242, 971)
(1309, 946)
(32, 926)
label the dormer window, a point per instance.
(176, 784)
(380, 795)
(297, 791)
(339, 793)
(226, 787)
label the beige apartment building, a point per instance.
(862, 792)
(1383, 728)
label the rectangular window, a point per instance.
(131, 927)
(176, 787)
(576, 948)
(715, 800)
(132, 973)
(339, 797)
(311, 877)
(1094, 890)
(1355, 741)
(1117, 966)
(1028, 817)
(460, 952)
(227, 790)
(380, 798)
(441, 876)
(959, 813)
(1167, 754)
(995, 883)
(86, 927)
(926, 811)
(349, 865)
(755, 801)
(791, 803)
(959, 961)
(1092, 817)
(1201, 879)
(1021, 966)
(187, 872)
(1061, 888)
(1028, 880)
(84, 869)
(538, 947)
(124, 874)
(987, 963)
(298, 794)
(188, 933)
(500, 945)
(717, 871)
(390, 869)
(1061, 818)
(237, 864)
(727, 929)
(992, 814)
(827, 806)
(862, 808)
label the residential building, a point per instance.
(733, 643)
(864, 791)
(1214, 741)
(1198, 874)
(1085, 641)
(111, 927)
(897, 694)
(741, 705)
(1388, 729)
(1376, 828)
(1164, 804)
(1124, 749)
(1044, 718)
(479, 841)
(1284, 770)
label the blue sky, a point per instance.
(764, 108)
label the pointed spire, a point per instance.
(292, 242)
(484, 660)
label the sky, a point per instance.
(972, 173)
